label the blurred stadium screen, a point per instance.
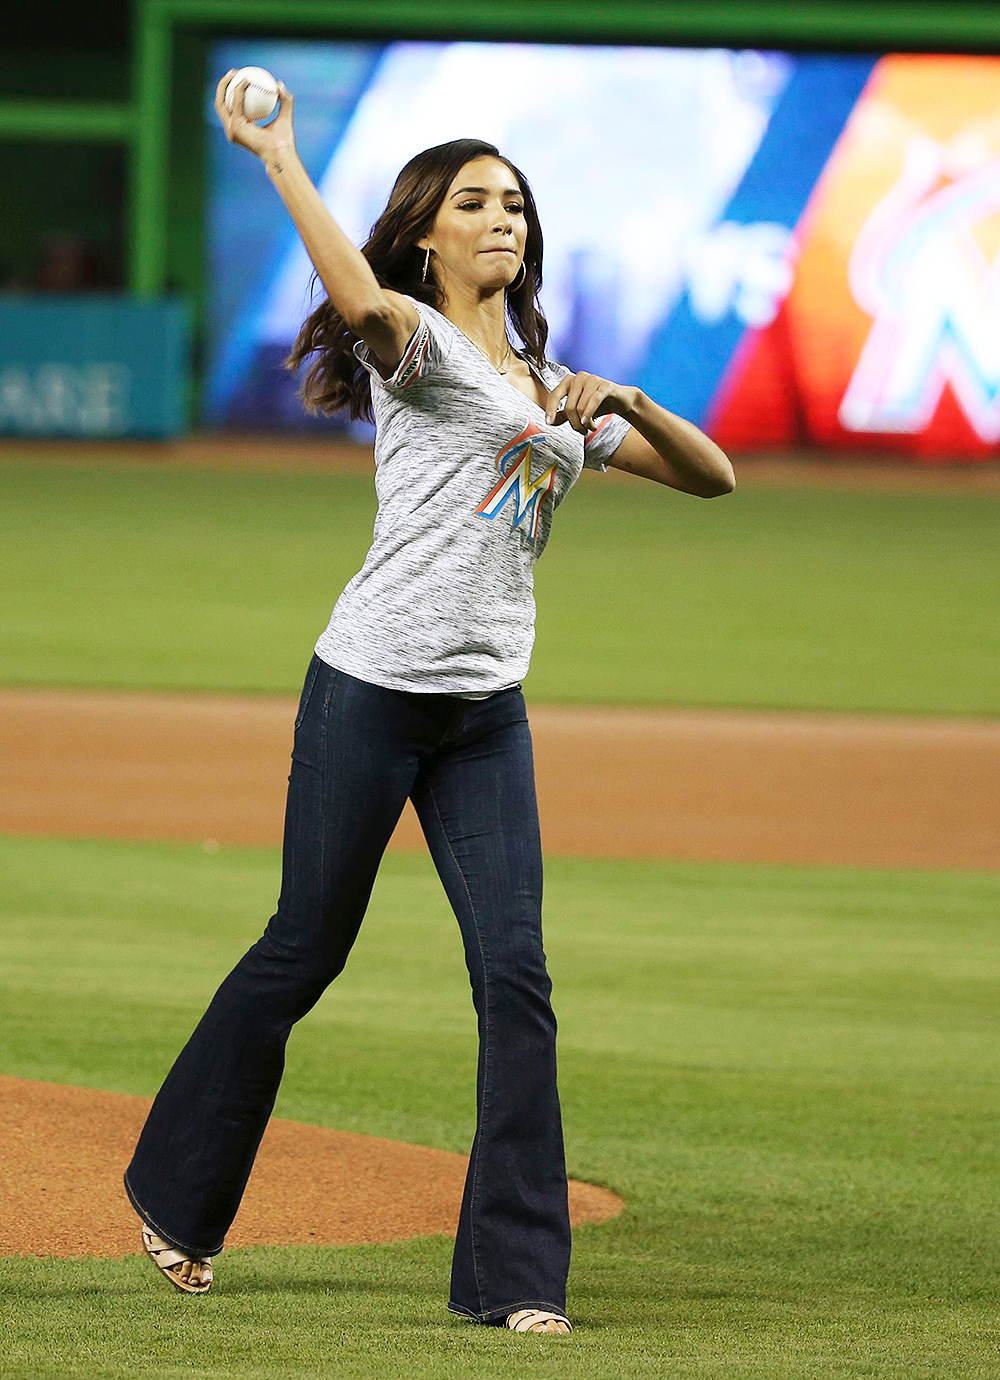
(790, 249)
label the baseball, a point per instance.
(261, 95)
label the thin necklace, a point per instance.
(486, 356)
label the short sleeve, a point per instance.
(601, 443)
(426, 349)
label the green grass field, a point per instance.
(800, 598)
(789, 1073)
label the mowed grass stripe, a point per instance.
(789, 1073)
(799, 598)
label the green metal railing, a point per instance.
(162, 51)
(89, 121)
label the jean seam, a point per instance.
(486, 1039)
(325, 772)
(147, 1218)
(508, 1308)
(312, 676)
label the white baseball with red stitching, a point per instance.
(261, 95)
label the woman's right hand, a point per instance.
(266, 142)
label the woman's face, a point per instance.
(479, 233)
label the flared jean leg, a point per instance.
(352, 769)
(477, 806)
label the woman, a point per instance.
(414, 691)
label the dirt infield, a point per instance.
(634, 783)
(627, 783)
(65, 1150)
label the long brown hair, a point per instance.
(336, 378)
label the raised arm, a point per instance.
(384, 319)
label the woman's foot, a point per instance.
(538, 1320)
(190, 1273)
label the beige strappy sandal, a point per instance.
(165, 1258)
(530, 1320)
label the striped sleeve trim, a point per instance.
(601, 424)
(412, 362)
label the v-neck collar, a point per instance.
(479, 355)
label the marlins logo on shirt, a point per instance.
(514, 464)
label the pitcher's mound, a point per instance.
(64, 1151)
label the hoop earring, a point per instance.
(423, 276)
(524, 271)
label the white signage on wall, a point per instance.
(746, 269)
(84, 400)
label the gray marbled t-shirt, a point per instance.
(468, 474)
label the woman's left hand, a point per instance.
(588, 397)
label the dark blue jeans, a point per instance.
(359, 752)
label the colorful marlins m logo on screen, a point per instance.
(925, 269)
(889, 335)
